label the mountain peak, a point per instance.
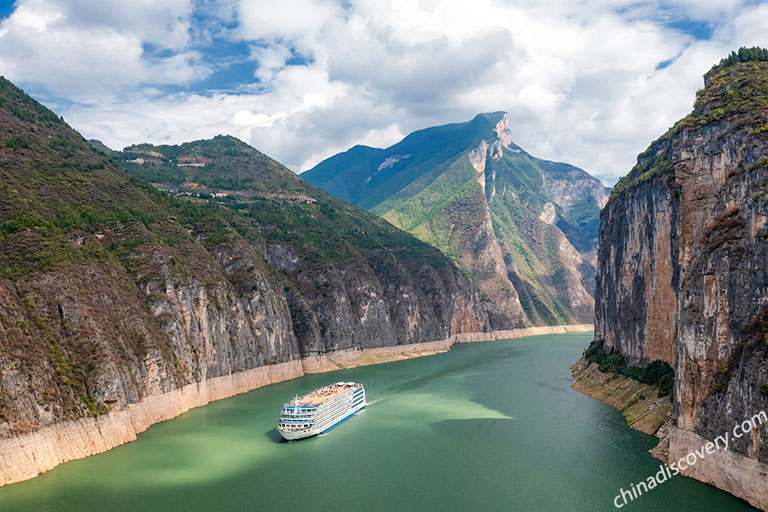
(493, 129)
(736, 86)
(24, 107)
(468, 190)
(502, 131)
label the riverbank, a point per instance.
(638, 403)
(352, 358)
(26, 456)
(643, 410)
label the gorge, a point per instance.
(682, 272)
(138, 284)
(123, 306)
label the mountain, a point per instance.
(525, 229)
(683, 272)
(324, 245)
(122, 305)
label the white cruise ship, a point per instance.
(320, 410)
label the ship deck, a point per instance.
(322, 395)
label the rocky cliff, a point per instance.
(683, 270)
(121, 305)
(525, 229)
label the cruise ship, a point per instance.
(320, 410)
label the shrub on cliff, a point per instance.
(658, 373)
(754, 54)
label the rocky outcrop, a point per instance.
(151, 347)
(636, 276)
(683, 273)
(745, 477)
(639, 404)
(27, 455)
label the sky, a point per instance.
(591, 83)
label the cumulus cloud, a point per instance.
(283, 20)
(589, 82)
(79, 48)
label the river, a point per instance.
(486, 426)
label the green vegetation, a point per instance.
(754, 54)
(272, 204)
(654, 163)
(754, 337)
(67, 211)
(323, 233)
(754, 344)
(658, 373)
(735, 92)
(427, 185)
(70, 377)
(760, 164)
(230, 164)
(720, 382)
(446, 206)
(358, 176)
(534, 245)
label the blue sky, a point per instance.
(587, 82)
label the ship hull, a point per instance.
(303, 434)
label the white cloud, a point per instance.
(260, 19)
(270, 59)
(79, 48)
(589, 82)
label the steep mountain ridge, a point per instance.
(367, 176)
(683, 271)
(117, 297)
(525, 229)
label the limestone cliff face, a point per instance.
(136, 338)
(683, 272)
(121, 305)
(636, 276)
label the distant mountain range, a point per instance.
(525, 229)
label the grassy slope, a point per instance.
(54, 188)
(233, 166)
(449, 195)
(354, 175)
(534, 244)
(581, 221)
(324, 230)
(66, 210)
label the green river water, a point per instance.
(486, 426)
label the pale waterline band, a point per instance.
(668, 471)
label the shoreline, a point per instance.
(29, 455)
(726, 470)
(639, 404)
(352, 358)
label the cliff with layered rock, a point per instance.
(525, 229)
(683, 271)
(122, 305)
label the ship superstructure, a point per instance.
(320, 410)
